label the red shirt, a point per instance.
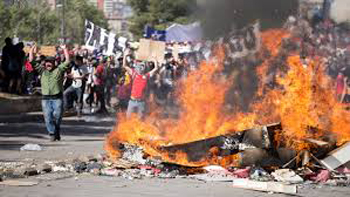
(99, 75)
(28, 66)
(340, 84)
(139, 85)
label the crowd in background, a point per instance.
(93, 80)
(321, 37)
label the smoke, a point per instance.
(220, 16)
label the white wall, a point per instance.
(340, 11)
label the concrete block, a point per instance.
(264, 186)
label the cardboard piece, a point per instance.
(26, 49)
(264, 186)
(22, 183)
(150, 49)
(337, 157)
(48, 50)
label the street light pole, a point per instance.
(62, 13)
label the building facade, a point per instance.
(117, 13)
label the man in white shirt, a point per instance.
(78, 74)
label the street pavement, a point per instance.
(85, 136)
(80, 136)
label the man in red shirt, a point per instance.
(140, 79)
(99, 87)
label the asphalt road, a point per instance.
(86, 136)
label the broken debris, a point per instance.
(264, 186)
(287, 176)
(337, 157)
(22, 183)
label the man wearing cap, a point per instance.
(140, 79)
(52, 91)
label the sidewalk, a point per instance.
(14, 104)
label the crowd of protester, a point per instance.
(91, 80)
(322, 38)
(95, 80)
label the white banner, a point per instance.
(99, 38)
(243, 42)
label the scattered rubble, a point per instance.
(337, 157)
(45, 168)
(30, 172)
(133, 154)
(214, 177)
(260, 166)
(321, 177)
(287, 176)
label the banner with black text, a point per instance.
(101, 39)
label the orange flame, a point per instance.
(302, 98)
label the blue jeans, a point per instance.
(53, 109)
(76, 91)
(138, 107)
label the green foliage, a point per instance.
(4, 21)
(160, 13)
(76, 13)
(37, 22)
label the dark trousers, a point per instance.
(99, 90)
(78, 92)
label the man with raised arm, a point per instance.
(140, 79)
(52, 76)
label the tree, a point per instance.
(34, 23)
(4, 21)
(37, 22)
(160, 13)
(76, 13)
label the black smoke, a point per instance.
(220, 16)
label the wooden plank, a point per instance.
(264, 186)
(18, 183)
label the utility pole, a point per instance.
(326, 8)
(61, 5)
(39, 40)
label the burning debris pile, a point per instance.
(293, 91)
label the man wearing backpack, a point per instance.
(140, 79)
(79, 75)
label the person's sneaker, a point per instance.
(52, 137)
(58, 137)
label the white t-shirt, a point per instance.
(79, 72)
(91, 74)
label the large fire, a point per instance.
(302, 98)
